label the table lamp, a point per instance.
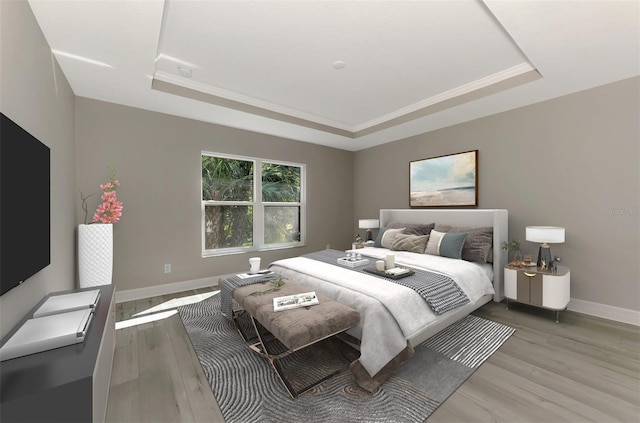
(545, 235)
(369, 224)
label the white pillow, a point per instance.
(434, 242)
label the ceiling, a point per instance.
(345, 74)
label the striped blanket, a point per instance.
(440, 292)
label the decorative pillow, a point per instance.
(446, 244)
(412, 228)
(433, 243)
(378, 241)
(478, 245)
(411, 243)
(385, 237)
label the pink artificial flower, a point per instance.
(110, 210)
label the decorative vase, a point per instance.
(95, 254)
(517, 256)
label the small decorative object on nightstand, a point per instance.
(513, 247)
(357, 243)
(369, 224)
(538, 287)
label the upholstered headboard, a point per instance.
(498, 219)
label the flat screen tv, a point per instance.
(25, 202)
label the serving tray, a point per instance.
(352, 263)
(372, 269)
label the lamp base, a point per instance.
(369, 236)
(544, 257)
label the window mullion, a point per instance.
(258, 208)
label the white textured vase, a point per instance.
(95, 254)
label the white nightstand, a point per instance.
(537, 287)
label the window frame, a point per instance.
(258, 208)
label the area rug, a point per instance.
(248, 390)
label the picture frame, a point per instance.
(444, 181)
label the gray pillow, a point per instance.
(412, 228)
(385, 237)
(411, 243)
(445, 244)
(478, 244)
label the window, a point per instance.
(250, 204)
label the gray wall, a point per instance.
(157, 159)
(35, 94)
(571, 161)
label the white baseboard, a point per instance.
(169, 288)
(605, 311)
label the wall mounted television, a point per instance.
(25, 204)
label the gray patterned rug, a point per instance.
(248, 390)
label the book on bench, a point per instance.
(295, 301)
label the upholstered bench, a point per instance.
(295, 328)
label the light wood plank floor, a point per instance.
(580, 370)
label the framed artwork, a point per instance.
(444, 181)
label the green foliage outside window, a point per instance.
(231, 181)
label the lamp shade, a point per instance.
(545, 234)
(368, 223)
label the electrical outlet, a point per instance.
(167, 268)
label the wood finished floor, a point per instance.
(584, 369)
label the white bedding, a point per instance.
(390, 314)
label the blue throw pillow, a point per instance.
(378, 241)
(451, 245)
(446, 244)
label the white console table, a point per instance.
(67, 384)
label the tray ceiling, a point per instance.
(348, 74)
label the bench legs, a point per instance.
(262, 348)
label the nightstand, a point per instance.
(364, 244)
(538, 287)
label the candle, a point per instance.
(390, 261)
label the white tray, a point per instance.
(68, 302)
(48, 332)
(352, 263)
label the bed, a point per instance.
(395, 318)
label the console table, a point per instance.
(68, 384)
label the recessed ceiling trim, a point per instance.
(250, 101)
(447, 103)
(182, 91)
(456, 92)
(500, 81)
(177, 61)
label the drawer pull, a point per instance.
(530, 274)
